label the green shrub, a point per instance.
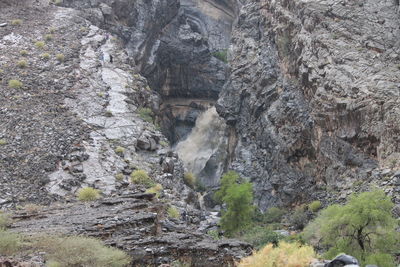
(119, 150)
(273, 215)
(260, 236)
(88, 194)
(155, 190)
(190, 179)
(16, 22)
(4, 220)
(221, 55)
(299, 219)
(214, 234)
(164, 143)
(48, 37)
(227, 180)
(60, 57)
(52, 30)
(199, 186)
(58, 2)
(146, 114)
(286, 254)
(22, 64)
(141, 177)
(173, 212)
(15, 84)
(53, 264)
(23, 53)
(40, 44)
(81, 251)
(381, 260)
(315, 206)
(108, 113)
(362, 227)
(10, 243)
(46, 56)
(119, 176)
(3, 142)
(238, 199)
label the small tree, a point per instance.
(227, 180)
(363, 227)
(238, 199)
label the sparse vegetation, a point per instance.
(173, 212)
(119, 150)
(80, 251)
(22, 64)
(190, 179)
(260, 236)
(299, 218)
(119, 176)
(146, 114)
(9, 242)
(286, 254)
(273, 215)
(46, 56)
(214, 234)
(221, 55)
(60, 57)
(88, 194)
(16, 22)
(48, 37)
(15, 84)
(164, 143)
(58, 2)
(155, 190)
(199, 187)
(40, 44)
(4, 220)
(315, 206)
(141, 177)
(52, 30)
(3, 142)
(108, 113)
(23, 53)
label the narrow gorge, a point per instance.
(150, 103)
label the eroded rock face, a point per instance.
(312, 96)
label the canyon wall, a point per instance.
(313, 96)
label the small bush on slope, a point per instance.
(10, 243)
(88, 194)
(141, 177)
(80, 251)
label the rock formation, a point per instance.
(312, 97)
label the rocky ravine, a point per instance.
(75, 123)
(313, 98)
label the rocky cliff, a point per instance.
(312, 98)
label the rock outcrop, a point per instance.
(138, 224)
(312, 97)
